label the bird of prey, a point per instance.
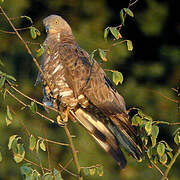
(81, 90)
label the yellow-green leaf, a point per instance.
(0, 156)
(177, 138)
(129, 45)
(100, 171)
(32, 142)
(33, 107)
(136, 120)
(28, 18)
(2, 81)
(155, 131)
(11, 139)
(163, 159)
(92, 171)
(40, 51)
(160, 149)
(153, 141)
(129, 12)
(117, 77)
(33, 32)
(148, 127)
(42, 146)
(8, 122)
(1, 63)
(115, 32)
(122, 16)
(102, 55)
(106, 31)
(57, 175)
(9, 116)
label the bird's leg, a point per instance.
(62, 118)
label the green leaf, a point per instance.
(1, 63)
(155, 131)
(136, 120)
(9, 116)
(42, 146)
(144, 140)
(47, 176)
(37, 145)
(177, 138)
(28, 18)
(11, 139)
(129, 45)
(2, 81)
(18, 157)
(122, 16)
(153, 140)
(102, 55)
(148, 127)
(100, 171)
(168, 148)
(160, 149)
(0, 157)
(115, 32)
(150, 152)
(106, 32)
(92, 55)
(92, 171)
(163, 159)
(57, 175)
(129, 12)
(33, 32)
(155, 159)
(86, 171)
(117, 77)
(10, 77)
(32, 142)
(8, 122)
(40, 51)
(33, 107)
(26, 169)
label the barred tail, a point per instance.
(102, 135)
(126, 135)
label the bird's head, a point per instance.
(55, 24)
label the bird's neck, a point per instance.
(61, 37)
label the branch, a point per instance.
(74, 152)
(171, 164)
(25, 44)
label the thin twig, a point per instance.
(54, 142)
(74, 152)
(67, 164)
(35, 164)
(171, 164)
(157, 167)
(25, 105)
(73, 174)
(7, 32)
(25, 44)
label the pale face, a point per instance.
(54, 24)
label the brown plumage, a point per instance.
(82, 86)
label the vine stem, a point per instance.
(74, 152)
(170, 165)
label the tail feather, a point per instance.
(102, 135)
(126, 136)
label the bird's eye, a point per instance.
(56, 21)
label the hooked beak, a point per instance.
(47, 29)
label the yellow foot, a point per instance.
(60, 120)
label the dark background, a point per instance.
(152, 67)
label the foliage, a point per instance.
(158, 152)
